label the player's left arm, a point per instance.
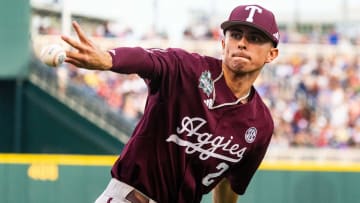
(223, 193)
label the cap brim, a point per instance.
(228, 24)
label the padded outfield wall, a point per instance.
(42, 124)
(30, 178)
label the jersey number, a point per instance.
(207, 180)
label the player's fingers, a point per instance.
(80, 59)
(74, 62)
(74, 55)
(81, 34)
(72, 42)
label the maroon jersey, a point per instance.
(193, 133)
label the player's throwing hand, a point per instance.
(87, 55)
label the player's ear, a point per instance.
(223, 40)
(223, 46)
(272, 54)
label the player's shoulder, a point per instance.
(192, 55)
(196, 61)
(261, 105)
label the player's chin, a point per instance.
(238, 70)
(238, 65)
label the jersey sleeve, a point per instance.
(148, 63)
(161, 68)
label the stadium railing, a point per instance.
(90, 106)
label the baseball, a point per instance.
(53, 55)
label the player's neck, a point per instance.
(240, 85)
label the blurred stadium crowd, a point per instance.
(314, 96)
(315, 100)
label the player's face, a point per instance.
(247, 49)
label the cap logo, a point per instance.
(276, 35)
(252, 9)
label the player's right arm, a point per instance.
(88, 55)
(148, 63)
(159, 67)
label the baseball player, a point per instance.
(205, 127)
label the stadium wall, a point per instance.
(29, 178)
(14, 39)
(31, 121)
(7, 92)
(36, 122)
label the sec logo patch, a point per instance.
(250, 135)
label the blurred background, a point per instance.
(62, 128)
